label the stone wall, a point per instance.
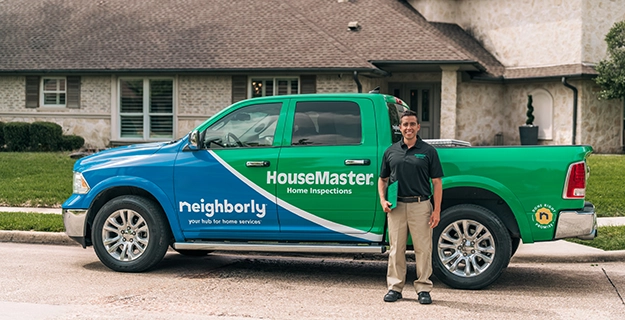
(12, 93)
(481, 113)
(598, 17)
(599, 121)
(519, 33)
(199, 98)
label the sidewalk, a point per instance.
(552, 251)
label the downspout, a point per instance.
(566, 84)
(357, 82)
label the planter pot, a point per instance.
(529, 135)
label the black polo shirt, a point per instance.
(412, 168)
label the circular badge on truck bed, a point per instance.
(543, 216)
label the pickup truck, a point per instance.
(298, 173)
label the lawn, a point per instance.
(35, 179)
(608, 238)
(27, 221)
(606, 184)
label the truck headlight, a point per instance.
(80, 184)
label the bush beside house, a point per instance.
(38, 136)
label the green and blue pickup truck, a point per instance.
(299, 173)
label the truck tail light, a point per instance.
(575, 185)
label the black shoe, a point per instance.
(424, 297)
(392, 296)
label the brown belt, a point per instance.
(413, 199)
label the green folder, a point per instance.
(391, 194)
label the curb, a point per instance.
(37, 237)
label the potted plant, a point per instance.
(528, 131)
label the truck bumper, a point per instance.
(578, 224)
(75, 227)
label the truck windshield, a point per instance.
(394, 114)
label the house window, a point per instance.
(146, 108)
(53, 91)
(265, 87)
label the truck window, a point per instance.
(251, 126)
(394, 114)
(327, 123)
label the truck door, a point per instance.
(220, 191)
(326, 177)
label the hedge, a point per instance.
(37, 136)
(45, 136)
(17, 136)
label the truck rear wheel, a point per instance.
(471, 247)
(130, 234)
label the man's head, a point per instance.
(409, 125)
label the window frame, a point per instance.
(252, 79)
(43, 91)
(145, 112)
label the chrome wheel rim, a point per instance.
(125, 235)
(466, 248)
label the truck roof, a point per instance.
(386, 97)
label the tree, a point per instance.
(611, 71)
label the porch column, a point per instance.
(449, 101)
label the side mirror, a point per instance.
(194, 140)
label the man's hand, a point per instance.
(435, 218)
(386, 206)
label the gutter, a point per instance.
(358, 84)
(566, 84)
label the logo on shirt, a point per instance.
(420, 155)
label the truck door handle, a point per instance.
(359, 162)
(257, 163)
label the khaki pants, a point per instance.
(414, 216)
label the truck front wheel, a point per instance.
(471, 247)
(130, 234)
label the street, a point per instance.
(68, 282)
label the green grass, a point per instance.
(32, 179)
(26, 221)
(606, 184)
(608, 238)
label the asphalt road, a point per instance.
(68, 282)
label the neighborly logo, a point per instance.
(543, 216)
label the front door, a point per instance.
(423, 99)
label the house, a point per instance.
(118, 72)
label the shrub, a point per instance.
(45, 136)
(72, 142)
(17, 136)
(1, 135)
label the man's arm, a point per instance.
(382, 185)
(435, 218)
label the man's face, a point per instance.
(409, 127)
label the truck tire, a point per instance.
(130, 234)
(471, 247)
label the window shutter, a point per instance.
(239, 88)
(309, 84)
(32, 91)
(73, 92)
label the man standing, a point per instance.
(411, 163)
